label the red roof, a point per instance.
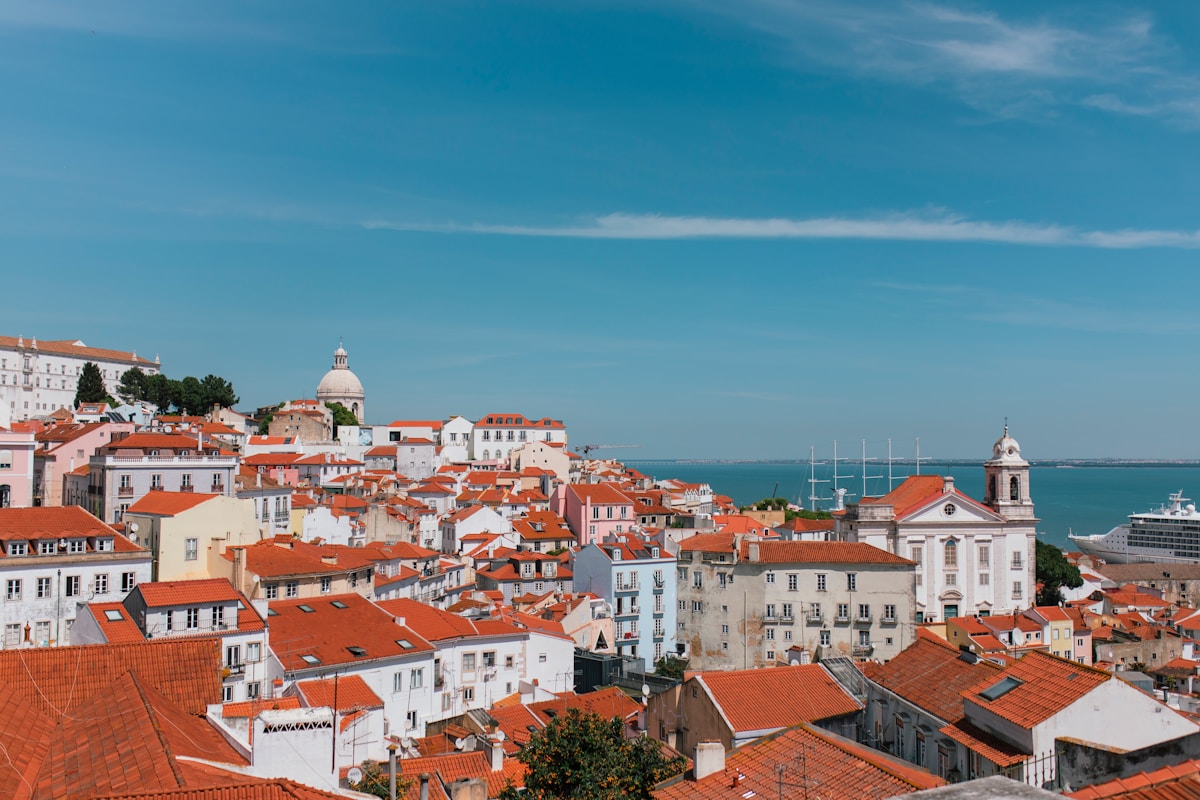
(774, 552)
(351, 691)
(46, 522)
(436, 625)
(719, 542)
(608, 702)
(517, 421)
(915, 491)
(598, 493)
(1046, 685)
(180, 593)
(75, 347)
(1174, 782)
(768, 699)
(123, 630)
(833, 768)
(932, 676)
(449, 768)
(327, 632)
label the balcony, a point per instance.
(628, 612)
(217, 488)
(862, 650)
(863, 619)
(787, 619)
(886, 620)
(842, 619)
(124, 491)
(815, 619)
(186, 487)
(233, 670)
(158, 488)
(659, 581)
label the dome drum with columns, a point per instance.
(340, 385)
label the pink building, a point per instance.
(594, 510)
(16, 464)
(62, 448)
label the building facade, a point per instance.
(494, 436)
(37, 378)
(972, 558)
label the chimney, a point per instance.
(494, 747)
(239, 567)
(752, 548)
(710, 758)
(424, 778)
(948, 485)
(468, 789)
(401, 621)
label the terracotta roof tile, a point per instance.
(436, 625)
(932, 676)
(351, 692)
(327, 632)
(1047, 685)
(708, 543)
(999, 752)
(51, 522)
(450, 768)
(123, 630)
(161, 594)
(767, 699)
(1174, 782)
(598, 493)
(834, 769)
(822, 553)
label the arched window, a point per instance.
(485, 455)
(950, 553)
(994, 495)
(1014, 488)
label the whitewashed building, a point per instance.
(495, 435)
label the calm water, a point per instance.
(1084, 499)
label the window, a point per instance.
(864, 612)
(271, 591)
(814, 611)
(468, 694)
(698, 579)
(16, 548)
(541, 658)
(985, 556)
(254, 652)
(169, 620)
(76, 546)
(292, 588)
(889, 613)
(770, 577)
(185, 480)
(193, 618)
(71, 588)
(721, 578)
(41, 632)
(190, 548)
(227, 693)
(770, 612)
(468, 662)
(156, 478)
(770, 634)
(326, 584)
(410, 719)
(1016, 561)
(683, 573)
(950, 553)
(825, 639)
(12, 589)
(724, 645)
(416, 678)
(724, 630)
(1016, 593)
(233, 656)
(398, 682)
(508, 662)
(252, 690)
(43, 588)
(852, 581)
(821, 585)
(951, 578)
(697, 606)
(46, 547)
(984, 579)
(12, 634)
(916, 554)
(787, 610)
(218, 617)
(843, 612)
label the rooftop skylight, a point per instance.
(1000, 688)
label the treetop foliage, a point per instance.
(193, 395)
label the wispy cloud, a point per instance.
(933, 227)
(1105, 60)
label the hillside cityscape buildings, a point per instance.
(296, 597)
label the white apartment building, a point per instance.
(494, 435)
(54, 560)
(130, 467)
(37, 378)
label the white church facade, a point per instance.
(972, 557)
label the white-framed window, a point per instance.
(411, 720)
(326, 584)
(128, 581)
(191, 547)
(76, 546)
(416, 678)
(12, 634)
(793, 582)
(985, 556)
(825, 638)
(292, 588)
(193, 618)
(12, 589)
(397, 682)
(43, 588)
(71, 587)
(468, 662)
(253, 652)
(271, 591)
(852, 581)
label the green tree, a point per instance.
(341, 416)
(1054, 572)
(670, 667)
(188, 396)
(160, 391)
(132, 387)
(580, 756)
(217, 391)
(91, 385)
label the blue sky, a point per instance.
(713, 229)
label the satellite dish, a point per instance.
(645, 689)
(133, 526)
(354, 775)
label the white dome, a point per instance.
(339, 383)
(1007, 450)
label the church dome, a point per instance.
(341, 385)
(1007, 449)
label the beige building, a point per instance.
(746, 602)
(306, 420)
(550, 456)
(183, 530)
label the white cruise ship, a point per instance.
(1170, 533)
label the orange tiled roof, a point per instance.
(598, 493)
(609, 702)
(1175, 782)
(822, 553)
(999, 752)
(75, 347)
(766, 699)
(178, 593)
(43, 522)
(914, 491)
(123, 630)
(1048, 685)
(932, 676)
(834, 768)
(351, 692)
(56, 680)
(719, 542)
(251, 708)
(450, 768)
(436, 625)
(327, 632)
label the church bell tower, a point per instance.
(1007, 477)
